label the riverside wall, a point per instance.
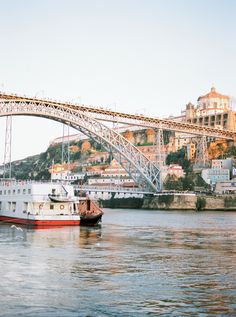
(189, 202)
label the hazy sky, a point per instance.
(143, 56)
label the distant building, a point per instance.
(71, 138)
(191, 151)
(211, 175)
(113, 175)
(213, 110)
(226, 187)
(224, 163)
(220, 171)
(67, 176)
(175, 169)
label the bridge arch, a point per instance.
(137, 165)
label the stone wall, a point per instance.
(188, 202)
(171, 202)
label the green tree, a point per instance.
(188, 183)
(200, 203)
(172, 183)
(179, 157)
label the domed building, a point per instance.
(213, 109)
(212, 103)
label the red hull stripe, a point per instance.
(41, 222)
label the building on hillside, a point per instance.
(213, 109)
(113, 175)
(65, 167)
(69, 138)
(175, 169)
(211, 175)
(98, 157)
(63, 172)
(226, 187)
(94, 170)
(181, 140)
(67, 176)
(224, 163)
(191, 151)
(220, 171)
(150, 151)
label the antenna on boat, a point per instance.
(7, 149)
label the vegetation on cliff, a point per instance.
(200, 203)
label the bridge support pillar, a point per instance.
(160, 154)
(65, 146)
(7, 149)
(202, 152)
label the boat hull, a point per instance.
(90, 221)
(41, 222)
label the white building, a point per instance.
(226, 187)
(67, 176)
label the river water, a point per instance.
(137, 263)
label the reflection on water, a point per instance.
(137, 263)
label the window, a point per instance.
(29, 191)
(51, 207)
(25, 207)
(13, 206)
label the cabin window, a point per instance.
(9, 191)
(51, 206)
(14, 191)
(25, 207)
(24, 191)
(5, 192)
(18, 191)
(0, 205)
(29, 191)
(9, 205)
(0, 192)
(13, 206)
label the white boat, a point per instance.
(32, 203)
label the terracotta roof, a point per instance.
(213, 94)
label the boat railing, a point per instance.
(8, 182)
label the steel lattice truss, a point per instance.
(144, 172)
(107, 115)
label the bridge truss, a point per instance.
(144, 172)
(108, 115)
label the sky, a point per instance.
(149, 56)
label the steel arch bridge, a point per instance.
(144, 172)
(106, 115)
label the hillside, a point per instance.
(37, 166)
(85, 151)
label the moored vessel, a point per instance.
(90, 213)
(28, 202)
(45, 204)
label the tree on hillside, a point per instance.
(173, 183)
(179, 157)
